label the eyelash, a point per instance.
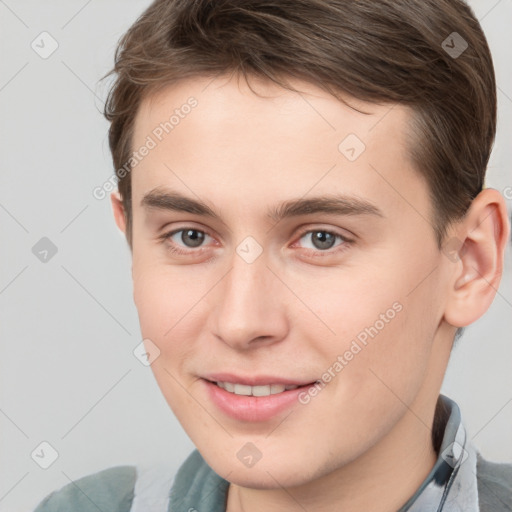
(315, 252)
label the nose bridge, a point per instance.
(248, 306)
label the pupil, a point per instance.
(195, 237)
(323, 240)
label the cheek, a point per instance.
(168, 306)
(381, 330)
(346, 303)
(165, 295)
(168, 312)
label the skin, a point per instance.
(364, 442)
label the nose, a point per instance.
(250, 306)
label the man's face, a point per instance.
(351, 297)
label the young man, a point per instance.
(301, 186)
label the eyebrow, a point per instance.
(163, 199)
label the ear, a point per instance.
(118, 209)
(476, 252)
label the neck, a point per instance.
(381, 480)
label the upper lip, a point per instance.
(255, 380)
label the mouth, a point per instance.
(254, 401)
(262, 390)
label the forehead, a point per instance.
(217, 136)
(264, 109)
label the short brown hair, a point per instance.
(390, 51)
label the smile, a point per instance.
(245, 390)
(254, 402)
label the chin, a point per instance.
(276, 478)
(272, 472)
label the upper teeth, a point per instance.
(242, 389)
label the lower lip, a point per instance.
(253, 408)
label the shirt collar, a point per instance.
(451, 485)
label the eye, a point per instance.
(323, 240)
(187, 238)
(190, 240)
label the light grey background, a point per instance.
(68, 327)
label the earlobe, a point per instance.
(118, 210)
(483, 235)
